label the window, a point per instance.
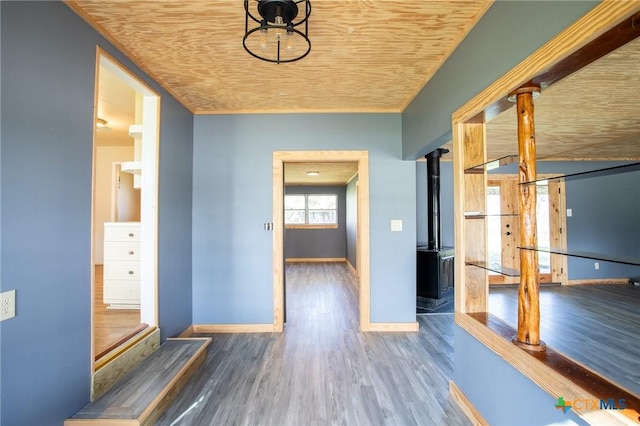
(311, 209)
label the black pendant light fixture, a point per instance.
(278, 37)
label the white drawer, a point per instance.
(121, 231)
(122, 293)
(129, 271)
(122, 251)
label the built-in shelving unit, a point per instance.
(627, 260)
(502, 270)
(600, 172)
(492, 165)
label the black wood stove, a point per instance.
(434, 262)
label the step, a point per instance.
(142, 395)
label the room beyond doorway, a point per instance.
(124, 214)
(361, 158)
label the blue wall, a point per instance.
(502, 394)
(352, 221)
(318, 243)
(232, 198)
(48, 73)
(499, 41)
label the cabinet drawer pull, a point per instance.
(130, 272)
(131, 253)
(131, 234)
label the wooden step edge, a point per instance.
(169, 392)
(124, 347)
(164, 398)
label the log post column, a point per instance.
(528, 335)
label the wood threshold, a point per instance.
(555, 373)
(120, 342)
(233, 328)
(314, 259)
(394, 326)
(466, 406)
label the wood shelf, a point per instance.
(480, 215)
(627, 260)
(606, 171)
(492, 165)
(133, 167)
(502, 270)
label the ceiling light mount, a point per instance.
(277, 38)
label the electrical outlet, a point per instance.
(596, 265)
(7, 305)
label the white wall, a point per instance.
(105, 157)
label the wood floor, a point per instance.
(322, 370)
(110, 326)
(596, 325)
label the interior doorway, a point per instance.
(503, 229)
(361, 158)
(124, 210)
(320, 240)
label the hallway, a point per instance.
(322, 370)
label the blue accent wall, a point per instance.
(502, 394)
(500, 41)
(48, 73)
(352, 221)
(232, 198)
(318, 243)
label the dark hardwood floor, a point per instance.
(596, 325)
(322, 370)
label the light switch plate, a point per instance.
(7, 305)
(569, 212)
(396, 225)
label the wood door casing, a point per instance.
(510, 256)
(509, 226)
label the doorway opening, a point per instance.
(124, 210)
(503, 230)
(361, 229)
(320, 240)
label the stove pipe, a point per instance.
(433, 198)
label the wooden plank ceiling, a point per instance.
(366, 56)
(332, 174)
(594, 114)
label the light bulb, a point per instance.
(279, 21)
(263, 38)
(289, 39)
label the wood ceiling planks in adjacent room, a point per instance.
(337, 174)
(593, 114)
(366, 56)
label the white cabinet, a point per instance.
(122, 265)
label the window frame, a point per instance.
(308, 225)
